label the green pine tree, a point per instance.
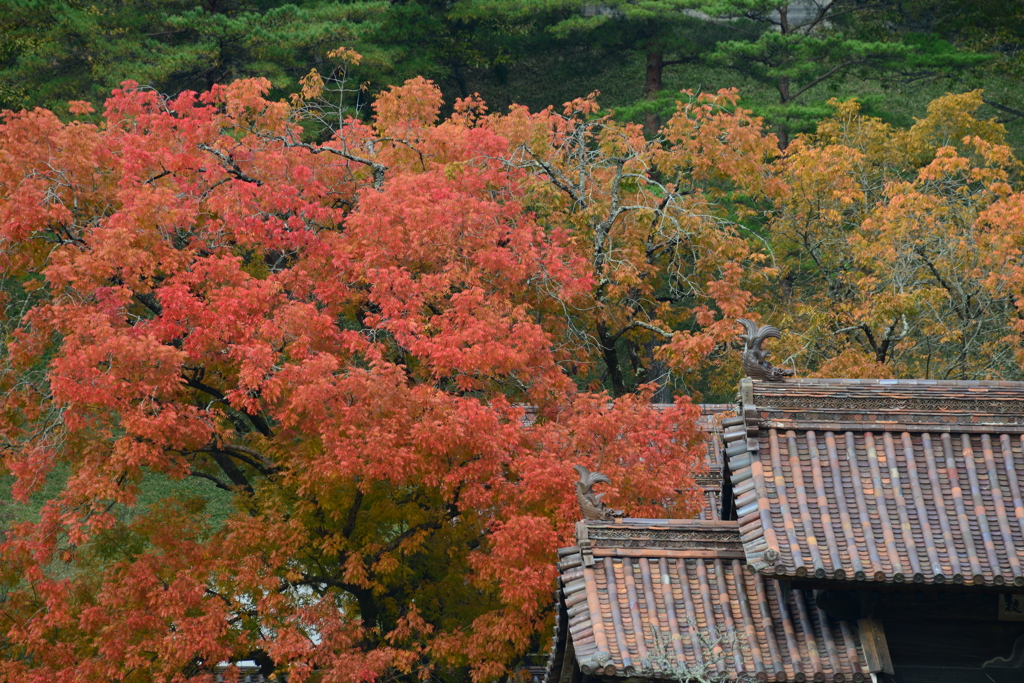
(793, 47)
(52, 51)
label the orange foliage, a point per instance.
(341, 336)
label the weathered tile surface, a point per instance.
(653, 598)
(881, 480)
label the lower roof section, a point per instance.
(651, 599)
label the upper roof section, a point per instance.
(881, 480)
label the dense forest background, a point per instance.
(787, 59)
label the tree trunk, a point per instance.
(368, 612)
(611, 360)
(783, 137)
(460, 78)
(659, 374)
(652, 86)
(783, 99)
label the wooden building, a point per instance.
(859, 530)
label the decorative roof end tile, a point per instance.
(755, 360)
(591, 504)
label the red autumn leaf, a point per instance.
(338, 339)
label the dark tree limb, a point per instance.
(408, 533)
(148, 300)
(229, 468)
(251, 457)
(257, 420)
(1017, 113)
(377, 169)
(230, 165)
(217, 482)
(353, 513)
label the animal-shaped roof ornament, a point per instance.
(755, 360)
(591, 504)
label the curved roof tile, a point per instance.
(881, 480)
(670, 598)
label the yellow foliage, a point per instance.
(900, 246)
(345, 54)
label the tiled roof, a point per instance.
(655, 598)
(711, 482)
(711, 415)
(536, 673)
(884, 480)
(244, 673)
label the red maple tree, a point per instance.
(340, 335)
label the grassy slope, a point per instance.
(153, 489)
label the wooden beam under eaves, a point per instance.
(876, 650)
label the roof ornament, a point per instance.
(755, 361)
(591, 504)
